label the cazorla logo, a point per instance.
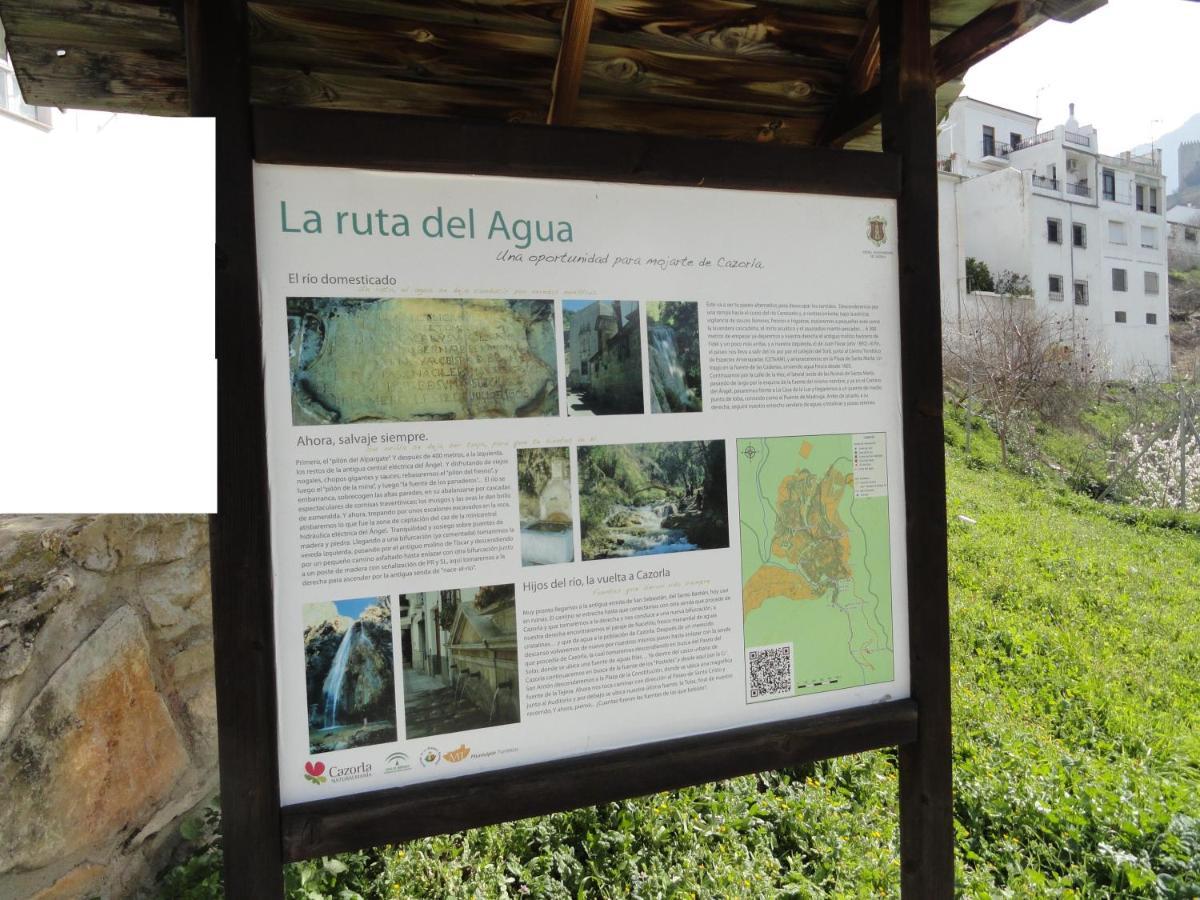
(877, 230)
(315, 772)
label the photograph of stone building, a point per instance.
(412, 360)
(602, 344)
(547, 526)
(673, 338)
(349, 674)
(459, 651)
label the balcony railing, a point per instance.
(995, 148)
(1075, 137)
(1050, 184)
(1079, 189)
(1034, 141)
(945, 163)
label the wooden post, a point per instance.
(926, 806)
(239, 534)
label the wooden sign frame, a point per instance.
(259, 835)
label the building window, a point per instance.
(1118, 277)
(1014, 140)
(1116, 232)
(1056, 292)
(1151, 318)
(1054, 231)
(10, 93)
(1139, 195)
(989, 140)
(1189, 234)
(1109, 184)
(1079, 234)
(1081, 293)
(1120, 316)
(1151, 282)
(1153, 200)
(1149, 237)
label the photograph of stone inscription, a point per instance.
(460, 660)
(349, 673)
(400, 359)
(673, 336)
(602, 345)
(643, 499)
(547, 528)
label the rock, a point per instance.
(404, 360)
(74, 884)
(95, 752)
(966, 520)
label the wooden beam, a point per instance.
(308, 137)
(908, 90)
(982, 36)
(218, 59)
(858, 112)
(382, 817)
(568, 71)
(863, 69)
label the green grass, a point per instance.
(1076, 675)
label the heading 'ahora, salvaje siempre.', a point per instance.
(522, 233)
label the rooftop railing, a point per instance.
(1034, 141)
(1075, 137)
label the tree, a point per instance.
(979, 277)
(1015, 360)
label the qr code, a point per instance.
(770, 671)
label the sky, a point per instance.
(1132, 68)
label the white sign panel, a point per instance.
(559, 467)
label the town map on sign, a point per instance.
(816, 563)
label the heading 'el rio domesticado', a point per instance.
(521, 232)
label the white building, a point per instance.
(1087, 229)
(1183, 237)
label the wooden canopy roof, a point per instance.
(795, 71)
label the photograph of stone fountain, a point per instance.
(544, 484)
(602, 346)
(645, 499)
(349, 674)
(398, 359)
(673, 336)
(459, 649)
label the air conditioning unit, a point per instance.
(1072, 165)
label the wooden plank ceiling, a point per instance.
(795, 71)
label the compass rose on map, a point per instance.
(749, 452)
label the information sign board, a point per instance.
(560, 467)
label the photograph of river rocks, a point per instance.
(602, 346)
(401, 359)
(544, 484)
(349, 673)
(645, 499)
(673, 335)
(459, 649)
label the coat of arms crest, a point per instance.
(877, 230)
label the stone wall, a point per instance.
(107, 707)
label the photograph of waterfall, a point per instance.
(349, 673)
(673, 336)
(602, 346)
(547, 526)
(644, 499)
(459, 649)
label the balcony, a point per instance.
(995, 149)
(1074, 137)
(1034, 141)
(1079, 189)
(1049, 184)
